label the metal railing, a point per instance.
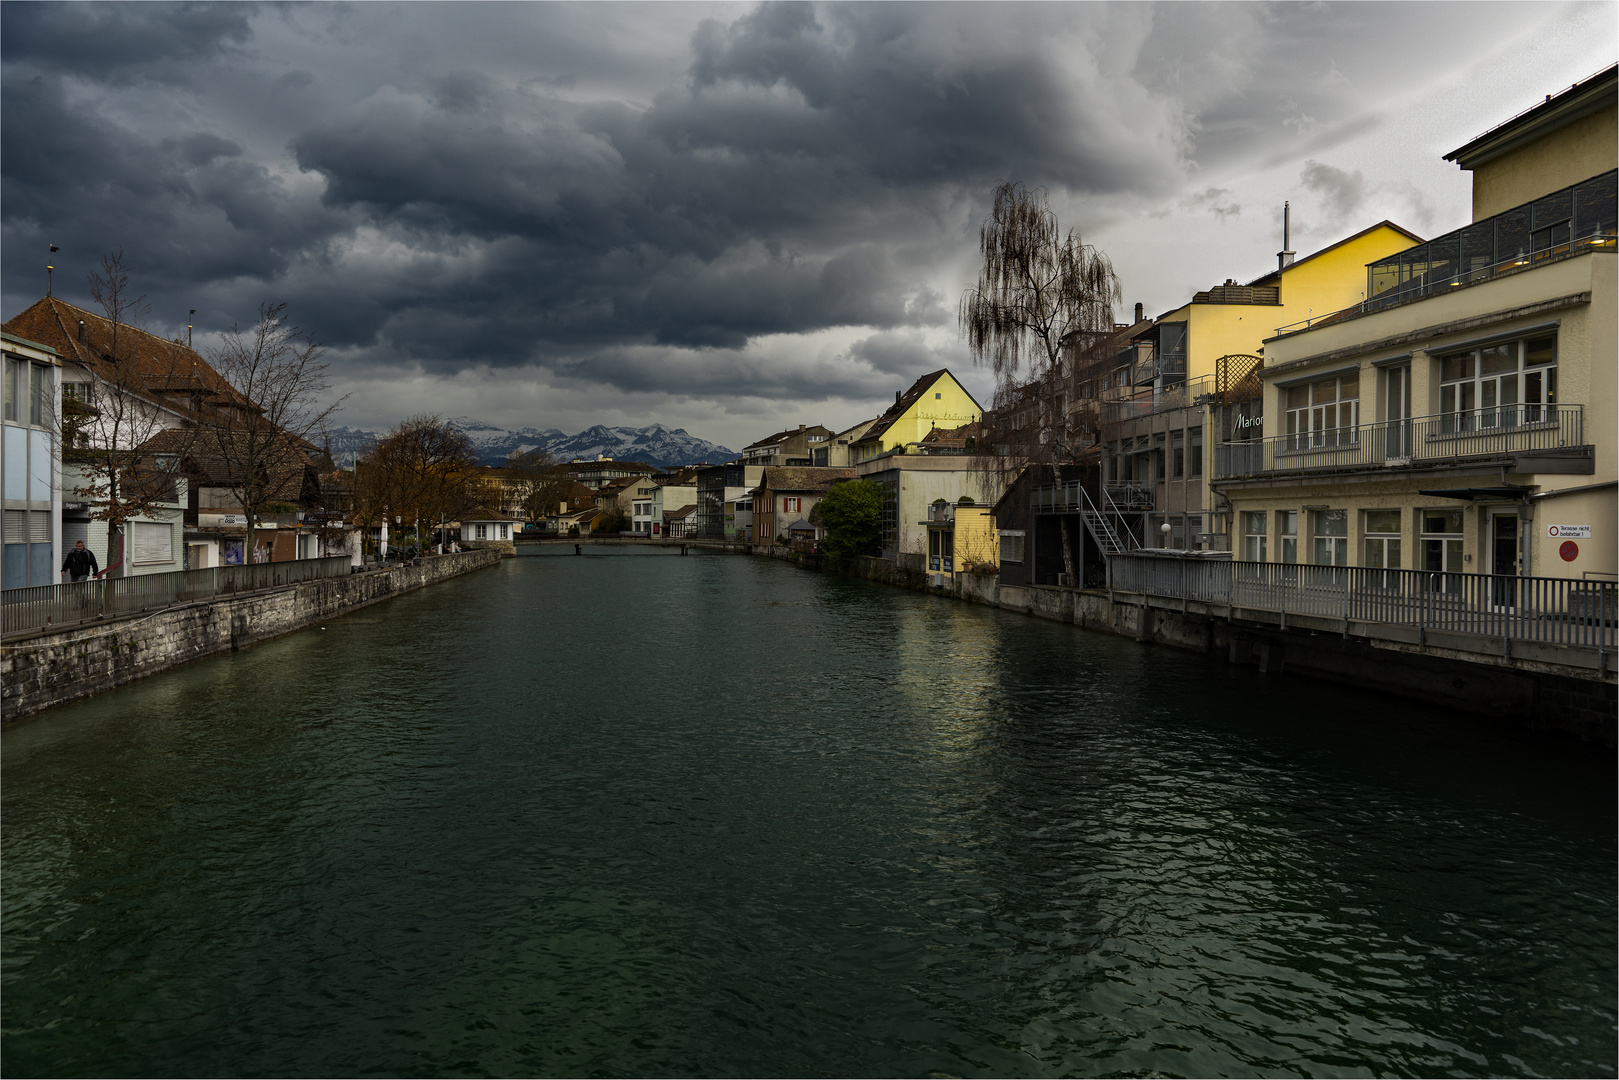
(1175, 396)
(1557, 611)
(81, 601)
(1512, 429)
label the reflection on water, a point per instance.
(662, 815)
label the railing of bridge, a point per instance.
(1556, 611)
(81, 601)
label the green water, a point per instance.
(652, 815)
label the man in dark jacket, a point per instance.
(80, 562)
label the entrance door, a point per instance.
(1399, 413)
(1504, 559)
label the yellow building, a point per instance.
(1159, 426)
(936, 400)
(1462, 419)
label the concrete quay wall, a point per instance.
(1525, 687)
(52, 668)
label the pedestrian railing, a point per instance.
(1556, 611)
(61, 605)
(1494, 432)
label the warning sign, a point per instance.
(1569, 532)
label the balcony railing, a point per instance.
(1176, 396)
(1514, 429)
(1555, 611)
(81, 601)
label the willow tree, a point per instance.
(1041, 293)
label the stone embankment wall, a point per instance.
(1586, 707)
(52, 668)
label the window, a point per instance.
(1381, 542)
(482, 531)
(1331, 537)
(1442, 547)
(1499, 385)
(36, 394)
(1287, 535)
(1197, 451)
(12, 376)
(1177, 454)
(1323, 413)
(938, 397)
(1011, 545)
(505, 531)
(1253, 535)
(153, 542)
(1158, 457)
(791, 504)
(941, 550)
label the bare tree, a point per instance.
(1041, 295)
(123, 430)
(541, 484)
(263, 437)
(421, 472)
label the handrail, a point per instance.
(38, 606)
(1557, 611)
(1510, 429)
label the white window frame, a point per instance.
(1319, 414)
(1254, 543)
(1471, 399)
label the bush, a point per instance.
(852, 513)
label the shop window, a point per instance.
(1331, 537)
(1253, 535)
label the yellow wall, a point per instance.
(976, 540)
(951, 408)
(1327, 283)
(1568, 155)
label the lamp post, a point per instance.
(49, 269)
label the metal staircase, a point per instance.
(1101, 528)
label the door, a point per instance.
(1399, 413)
(1504, 559)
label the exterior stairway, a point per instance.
(1101, 528)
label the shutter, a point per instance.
(154, 542)
(16, 528)
(74, 531)
(40, 531)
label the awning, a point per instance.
(1493, 494)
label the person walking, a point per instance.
(80, 562)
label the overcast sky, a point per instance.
(728, 218)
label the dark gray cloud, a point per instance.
(649, 199)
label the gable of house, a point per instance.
(936, 400)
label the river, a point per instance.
(643, 814)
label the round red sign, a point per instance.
(1569, 551)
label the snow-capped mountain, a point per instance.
(655, 445)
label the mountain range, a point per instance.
(655, 444)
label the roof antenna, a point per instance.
(1284, 258)
(48, 270)
(188, 328)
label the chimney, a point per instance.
(896, 397)
(81, 330)
(1139, 314)
(800, 427)
(1284, 258)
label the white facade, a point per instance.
(667, 500)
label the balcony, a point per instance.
(1176, 396)
(1427, 440)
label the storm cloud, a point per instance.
(709, 210)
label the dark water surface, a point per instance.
(645, 815)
